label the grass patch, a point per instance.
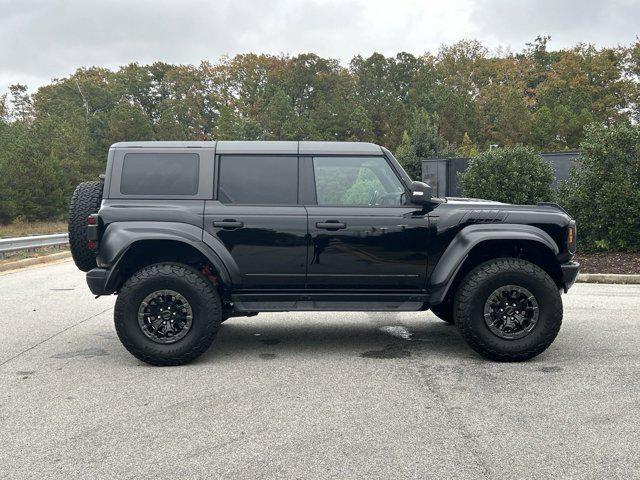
(22, 228)
(40, 252)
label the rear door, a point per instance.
(257, 218)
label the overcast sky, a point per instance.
(41, 40)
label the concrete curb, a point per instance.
(27, 262)
(608, 278)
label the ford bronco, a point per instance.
(189, 234)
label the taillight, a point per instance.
(93, 233)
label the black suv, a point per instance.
(189, 234)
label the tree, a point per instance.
(21, 106)
(33, 187)
(633, 71)
(467, 147)
(8, 197)
(407, 156)
(512, 174)
(128, 122)
(584, 85)
(360, 128)
(378, 91)
(603, 190)
(457, 86)
(421, 141)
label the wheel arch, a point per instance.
(126, 247)
(478, 243)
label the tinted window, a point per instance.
(160, 174)
(354, 181)
(258, 180)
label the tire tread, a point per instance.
(85, 200)
(150, 353)
(472, 283)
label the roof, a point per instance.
(267, 147)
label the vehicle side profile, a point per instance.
(189, 234)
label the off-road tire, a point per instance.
(444, 311)
(478, 285)
(85, 200)
(188, 282)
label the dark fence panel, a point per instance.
(442, 173)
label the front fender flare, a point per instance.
(456, 253)
(119, 237)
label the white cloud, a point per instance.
(40, 40)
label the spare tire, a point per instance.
(85, 201)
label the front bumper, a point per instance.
(570, 272)
(97, 279)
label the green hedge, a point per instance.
(603, 190)
(513, 175)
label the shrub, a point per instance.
(603, 190)
(513, 175)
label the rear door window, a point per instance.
(258, 180)
(160, 174)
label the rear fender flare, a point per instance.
(458, 250)
(118, 238)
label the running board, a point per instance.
(285, 302)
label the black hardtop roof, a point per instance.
(267, 147)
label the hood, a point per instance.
(466, 201)
(481, 203)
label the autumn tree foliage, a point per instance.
(462, 97)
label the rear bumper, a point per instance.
(97, 280)
(570, 272)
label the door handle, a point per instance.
(331, 225)
(228, 224)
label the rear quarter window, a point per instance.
(160, 174)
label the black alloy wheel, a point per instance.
(511, 312)
(165, 316)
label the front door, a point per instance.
(257, 218)
(363, 236)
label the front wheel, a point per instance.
(167, 314)
(508, 309)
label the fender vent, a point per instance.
(484, 216)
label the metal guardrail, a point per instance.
(31, 242)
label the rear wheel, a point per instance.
(508, 309)
(85, 200)
(167, 314)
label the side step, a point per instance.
(358, 302)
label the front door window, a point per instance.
(356, 181)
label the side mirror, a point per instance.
(421, 193)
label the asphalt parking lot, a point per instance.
(322, 395)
